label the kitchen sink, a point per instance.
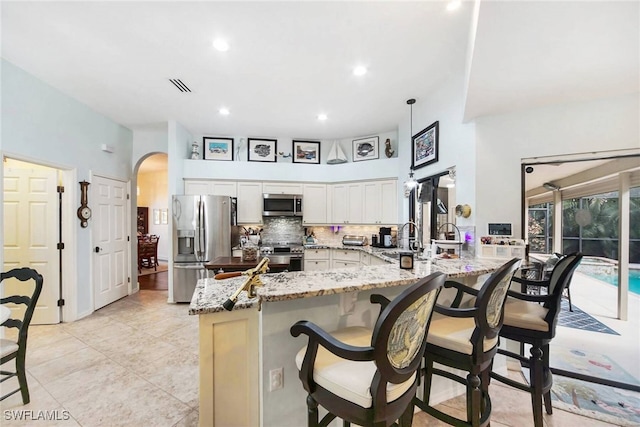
(394, 255)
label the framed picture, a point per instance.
(365, 149)
(424, 147)
(217, 148)
(156, 216)
(262, 150)
(164, 216)
(306, 152)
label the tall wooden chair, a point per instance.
(467, 339)
(369, 377)
(532, 319)
(17, 350)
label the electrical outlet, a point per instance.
(276, 379)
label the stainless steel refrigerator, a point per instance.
(203, 229)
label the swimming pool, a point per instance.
(634, 279)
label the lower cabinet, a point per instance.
(331, 259)
(316, 265)
(316, 259)
(341, 258)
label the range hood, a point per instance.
(336, 155)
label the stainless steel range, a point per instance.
(285, 252)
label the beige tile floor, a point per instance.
(135, 363)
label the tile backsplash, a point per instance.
(282, 229)
(332, 235)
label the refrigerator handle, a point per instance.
(177, 209)
(203, 231)
(196, 240)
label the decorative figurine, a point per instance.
(195, 153)
(388, 151)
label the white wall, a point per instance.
(503, 140)
(456, 140)
(153, 194)
(42, 125)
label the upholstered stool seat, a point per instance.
(522, 314)
(455, 333)
(348, 379)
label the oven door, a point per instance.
(295, 261)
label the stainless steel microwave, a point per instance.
(281, 204)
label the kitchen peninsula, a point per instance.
(247, 371)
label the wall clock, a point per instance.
(84, 213)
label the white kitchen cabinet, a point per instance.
(365, 258)
(216, 188)
(249, 202)
(316, 265)
(316, 259)
(337, 264)
(502, 251)
(282, 188)
(342, 258)
(314, 204)
(316, 254)
(197, 187)
(374, 260)
(224, 188)
(347, 203)
(380, 202)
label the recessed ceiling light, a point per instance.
(221, 45)
(453, 5)
(360, 70)
(322, 117)
(224, 111)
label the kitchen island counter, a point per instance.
(210, 294)
(243, 349)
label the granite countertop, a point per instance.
(210, 294)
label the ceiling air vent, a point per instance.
(181, 86)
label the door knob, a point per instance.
(97, 249)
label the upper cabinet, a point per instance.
(380, 202)
(282, 188)
(215, 188)
(249, 202)
(347, 203)
(363, 202)
(314, 204)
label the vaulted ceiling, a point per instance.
(290, 61)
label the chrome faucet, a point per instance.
(418, 246)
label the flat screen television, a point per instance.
(499, 229)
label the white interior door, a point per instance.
(31, 234)
(109, 226)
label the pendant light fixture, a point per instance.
(411, 183)
(336, 155)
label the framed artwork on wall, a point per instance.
(424, 147)
(306, 152)
(217, 148)
(262, 150)
(365, 149)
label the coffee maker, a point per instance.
(385, 237)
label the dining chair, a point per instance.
(10, 349)
(534, 278)
(464, 336)
(364, 376)
(532, 319)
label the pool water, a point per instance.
(634, 280)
